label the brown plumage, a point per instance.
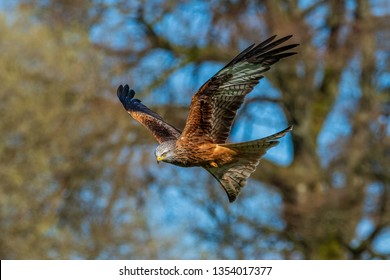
(213, 109)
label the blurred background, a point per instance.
(79, 178)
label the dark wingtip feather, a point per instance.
(125, 95)
(119, 91)
(266, 51)
(267, 41)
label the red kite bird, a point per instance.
(213, 109)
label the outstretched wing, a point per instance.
(213, 107)
(160, 129)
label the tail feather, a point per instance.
(233, 176)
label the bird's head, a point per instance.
(166, 152)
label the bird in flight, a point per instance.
(213, 108)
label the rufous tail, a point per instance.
(233, 176)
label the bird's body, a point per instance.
(213, 108)
(205, 155)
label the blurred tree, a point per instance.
(330, 202)
(60, 168)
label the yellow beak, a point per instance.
(159, 158)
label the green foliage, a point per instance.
(50, 134)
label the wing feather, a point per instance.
(214, 106)
(160, 129)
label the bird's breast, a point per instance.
(208, 154)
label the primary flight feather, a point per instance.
(213, 109)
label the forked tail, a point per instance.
(233, 176)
